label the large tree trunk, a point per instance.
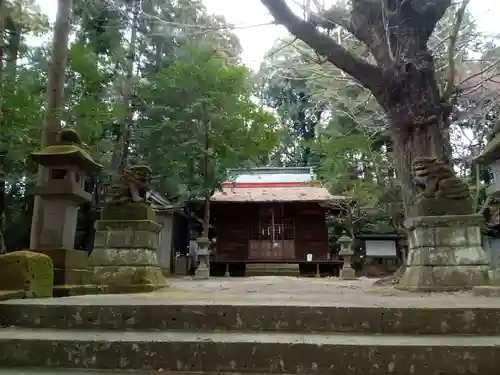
(206, 217)
(121, 152)
(55, 90)
(415, 112)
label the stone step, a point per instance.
(147, 314)
(56, 371)
(272, 269)
(346, 354)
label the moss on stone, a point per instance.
(203, 241)
(11, 294)
(439, 207)
(66, 258)
(69, 136)
(29, 271)
(128, 211)
(68, 150)
(459, 221)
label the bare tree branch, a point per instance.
(367, 74)
(450, 82)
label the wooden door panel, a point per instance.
(272, 237)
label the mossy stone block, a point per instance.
(140, 239)
(128, 211)
(66, 258)
(132, 225)
(127, 275)
(29, 271)
(72, 276)
(119, 257)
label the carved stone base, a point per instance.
(124, 259)
(445, 254)
(347, 273)
(202, 272)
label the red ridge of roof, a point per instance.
(270, 184)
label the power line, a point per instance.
(115, 6)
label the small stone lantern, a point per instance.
(347, 272)
(203, 255)
(62, 191)
(490, 157)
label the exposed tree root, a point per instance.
(392, 279)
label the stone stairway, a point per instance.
(153, 336)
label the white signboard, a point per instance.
(379, 249)
(309, 257)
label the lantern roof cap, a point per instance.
(66, 151)
(344, 239)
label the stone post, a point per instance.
(445, 254)
(347, 272)
(124, 259)
(203, 255)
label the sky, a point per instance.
(257, 40)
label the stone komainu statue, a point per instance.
(435, 179)
(132, 185)
(439, 189)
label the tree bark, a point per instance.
(206, 217)
(422, 141)
(206, 176)
(55, 90)
(121, 151)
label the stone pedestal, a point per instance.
(203, 255)
(445, 254)
(347, 272)
(124, 259)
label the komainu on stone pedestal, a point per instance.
(445, 254)
(441, 192)
(124, 259)
(445, 250)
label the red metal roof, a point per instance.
(273, 192)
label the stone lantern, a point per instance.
(62, 191)
(347, 272)
(203, 255)
(490, 157)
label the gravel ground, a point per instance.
(280, 290)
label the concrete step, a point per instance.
(346, 354)
(144, 314)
